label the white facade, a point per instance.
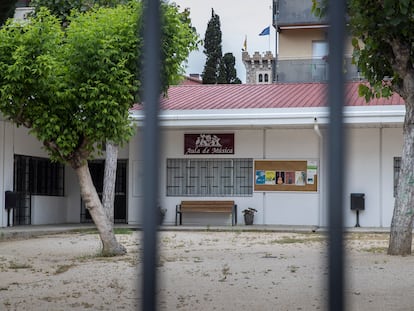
(374, 139)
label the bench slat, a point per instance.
(205, 206)
(207, 209)
(207, 203)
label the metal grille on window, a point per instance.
(397, 166)
(35, 176)
(209, 177)
(38, 176)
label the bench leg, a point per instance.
(178, 219)
(176, 214)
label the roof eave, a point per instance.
(271, 117)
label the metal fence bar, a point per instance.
(336, 140)
(151, 91)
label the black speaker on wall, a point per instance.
(11, 200)
(357, 201)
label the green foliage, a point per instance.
(383, 43)
(319, 7)
(29, 68)
(213, 51)
(230, 73)
(218, 69)
(179, 38)
(101, 52)
(62, 8)
(73, 88)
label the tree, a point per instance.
(230, 73)
(383, 43)
(63, 10)
(212, 49)
(7, 8)
(73, 88)
(218, 69)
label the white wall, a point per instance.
(48, 210)
(27, 144)
(72, 195)
(8, 160)
(391, 147)
(369, 170)
(3, 213)
(363, 175)
(135, 179)
(248, 144)
(294, 208)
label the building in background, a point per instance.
(259, 68)
(301, 45)
(270, 130)
(22, 9)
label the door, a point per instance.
(97, 168)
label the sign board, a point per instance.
(203, 144)
(272, 175)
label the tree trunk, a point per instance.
(402, 219)
(110, 245)
(108, 193)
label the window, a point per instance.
(266, 79)
(320, 49)
(397, 166)
(260, 78)
(209, 177)
(38, 176)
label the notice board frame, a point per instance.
(296, 175)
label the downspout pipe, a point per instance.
(319, 134)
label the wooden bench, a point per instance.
(227, 207)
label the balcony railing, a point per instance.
(312, 70)
(294, 12)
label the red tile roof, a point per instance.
(241, 96)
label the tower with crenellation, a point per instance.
(259, 67)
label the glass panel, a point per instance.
(295, 12)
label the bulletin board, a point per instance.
(277, 175)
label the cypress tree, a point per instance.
(212, 49)
(230, 73)
(217, 69)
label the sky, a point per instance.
(239, 19)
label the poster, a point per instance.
(286, 175)
(290, 178)
(312, 168)
(280, 178)
(300, 178)
(260, 177)
(270, 177)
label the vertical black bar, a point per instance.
(336, 12)
(151, 91)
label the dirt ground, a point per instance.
(208, 270)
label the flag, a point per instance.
(244, 49)
(265, 32)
